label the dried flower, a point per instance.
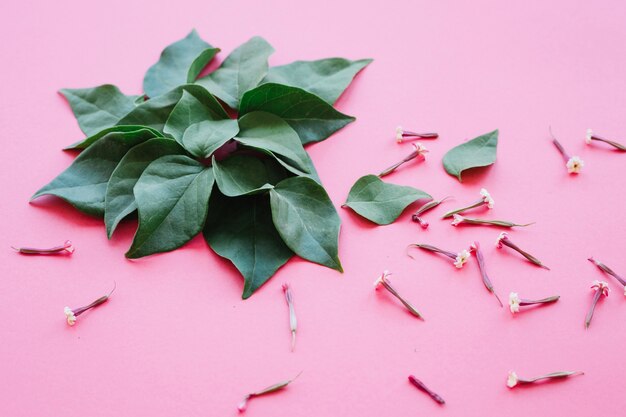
(402, 135)
(384, 281)
(71, 314)
(458, 219)
(485, 200)
(422, 387)
(418, 152)
(600, 288)
(591, 136)
(272, 388)
(609, 271)
(293, 323)
(504, 240)
(428, 206)
(574, 164)
(459, 258)
(514, 380)
(65, 249)
(475, 247)
(515, 301)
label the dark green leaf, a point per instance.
(180, 63)
(204, 138)
(478, 152)
(310, 116)
(84, 183)
(172, 197)
(119, 199)
(306, 220)
(241, 230)
(380, 202)
(241, 175)
(127, 132)
(326, 78)
(241, 71)
(99, 107)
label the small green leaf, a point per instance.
(204, 138)
(241, 71)
(172, 198)
(83, 184)
(99, 107)
(310, 116)
(478, 152)
(127, 132)
(179, 63)
(307, 220)
(380, 202)
(241, 175)
(326, 78)
(119, 199)
(241, 230)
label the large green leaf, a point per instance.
(99, 107)
(380, 202)
(478, 152)
(179, 63)
(241, 71)
(241, 230)
(127, 132)
(204, 138)
(172, 198)
(155, 112)
(119, 200)
(241, 175)
(326, 78)
(83, 184)
(307, 220)
(310, 116)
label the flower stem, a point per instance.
(395, 166)
(617, 145)
(525, 254)
(65, 248)
(596, 297)
(432, 249)
(103, 299)
(483, 272)
(609, 271)
(497, 223)
(395, 293)
(553, 299)
(272, 388)
(421, 386)
(462, 209)
(554, 375)
(293, 323)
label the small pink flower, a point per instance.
(459, 259)
(428, 206)
(504, 240)
(418, 152)
(71, 314)
(484, 200)
(573, 163)
(600, 288)
(383, 281)
(402, 135)
(592, 136)
(243, 405)
(65, 249)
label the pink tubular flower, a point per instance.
(458, 219)
(504, 240)
(515, 301)
(243, 405)
(475, 247)
(71, 314)
(592, 136)
(422, 387)
(402, 135)
(428, 206)
(418, 152)
(573, 163)
(293, 323)
(383, 281)
(513, 380)
(484, 200)
(610, 272)
(601, 288)
(459, 258)
(65, 249)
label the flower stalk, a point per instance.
(458, 219)
(592, 136)
(426, 207)
(609, 271)
(293, 322)
(272, 388)
(422, 387)
(383, 281)
(418, 152)
(600, 288)
(505, 240)
(475, 247)
(459, 258)
(71, 314)
(515, 302)
(573, 163)
(513, 380)
(402, 135)
(484, 200)
(65, 249)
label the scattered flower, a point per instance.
(609, 271)
(65, 249)
(418, 152)
(573, 163)
(591, 136)
(272, 388)
(514, 380)
(475, 247)
(71, 314)
(505, 240)
(428, 206)
(422, 387)
(485, 200)
(600, 288)
(402, 135)
(384, 282)
(515, 301)
(459, 258)
(293, 323)
(458, 219)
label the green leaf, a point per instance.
(83, 184)
(241, 175)
(180, 63)
(119, 199)
(380, 202)
(326, 78)
(241, 230)
(310, 116)
(478, 152)
(306, 220)
(172, 198)
(155, 112)
(99, 107)
(204, 138)
(127, 132)
(241, 71)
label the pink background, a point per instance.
(177, 340)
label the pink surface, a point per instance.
(177, 340)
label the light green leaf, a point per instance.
(241, 175)
(380, 202)
(83, 184)
(179, 63)
(204, 138)
(119, 199)
(326, 78)
(241, 71)
(241, 230)
(306, 220)
(172, 198)
(310, 116)
(126, 132)
(99, 107)
(478, 152)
